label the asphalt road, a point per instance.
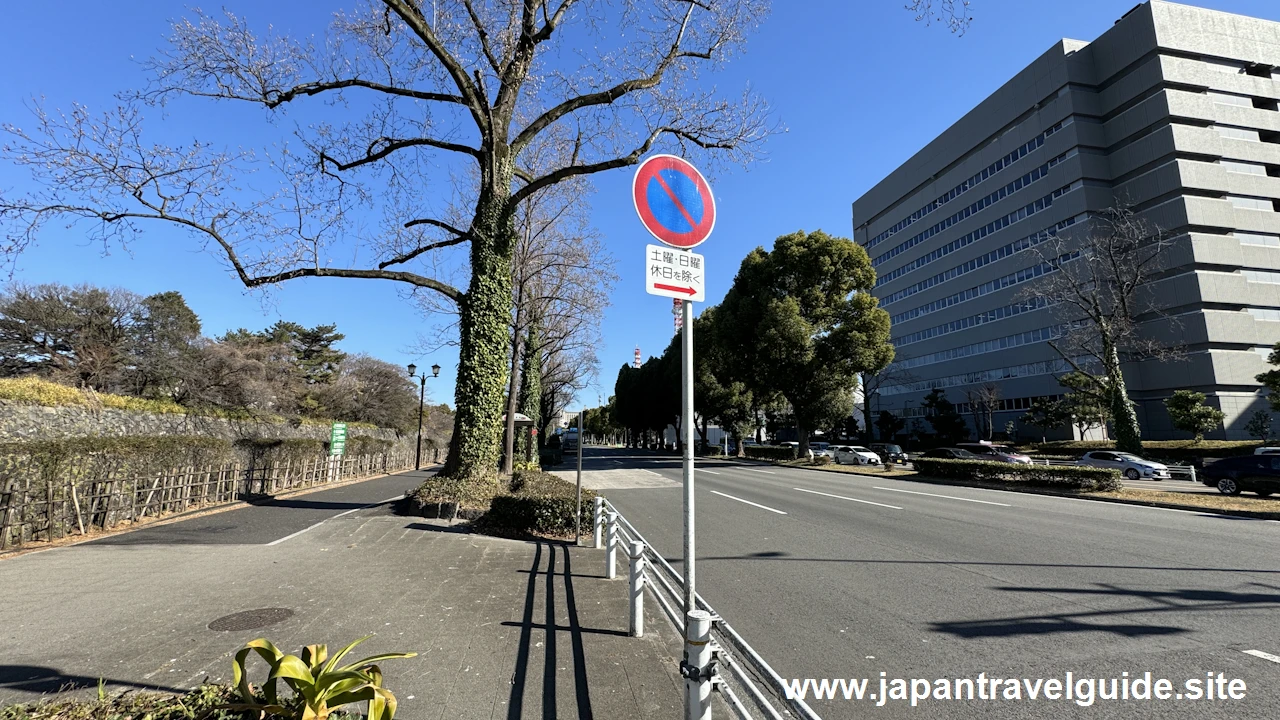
(832, 576)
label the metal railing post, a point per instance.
(1192, 468)
(598, 521)
(611, 549)
(697, 667)
(637, 588)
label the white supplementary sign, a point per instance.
(675, 273)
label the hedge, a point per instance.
(770, 452)
(538, 503)
(1054, 476)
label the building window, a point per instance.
(981, 318)
(1251, 238)
(1000, 283)
(1266, 314)
(1261, 276)
(1018, 184)
(1029, 337)
(979, 177)
(1236, 133)
(1046, 367)
(1246, 168)
(1252, 203)
(1226, 99)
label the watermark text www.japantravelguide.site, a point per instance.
(1083, 691)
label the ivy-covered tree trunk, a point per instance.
(485, 317)
(1128, 432)
(531, 390)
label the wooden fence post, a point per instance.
(76, 500)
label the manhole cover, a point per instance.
(251, 619)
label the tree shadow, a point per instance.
(550, 632)
(46, 680)
(1098, 620)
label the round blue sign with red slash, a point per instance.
(674, 201)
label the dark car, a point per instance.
(889, 453)
(1255, 473)
(950, 454)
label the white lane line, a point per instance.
(346, 512)
(841, 497)
(1263, 655)
(949, 497)
(766, 472)
(762, 507)
(618, 461)
(709, 472)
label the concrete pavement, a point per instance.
(503, 628)
(847, 576)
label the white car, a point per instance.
(1132, 466)
(855, 455)
(1267, 451)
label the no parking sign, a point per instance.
(674, 201)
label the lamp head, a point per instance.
(412, 369)
(435, 371)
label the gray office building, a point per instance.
(1172, 111)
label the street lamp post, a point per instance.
(422, 397)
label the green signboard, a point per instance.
(338, 439)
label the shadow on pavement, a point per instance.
(550, 632)
(1162, 601)
(38, 679)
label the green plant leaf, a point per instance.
(361, 664)
(333, 662)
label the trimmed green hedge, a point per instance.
(1053, 476)
(538, 503)
(770, 452)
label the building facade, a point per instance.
(1172, 112)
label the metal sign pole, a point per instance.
(686, 429)
(577, 518)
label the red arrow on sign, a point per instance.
(673, 288)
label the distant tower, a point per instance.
(636, 363)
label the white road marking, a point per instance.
(762, 507)
(766, 472)
(949, 497)
(842, 497)
(651, 472)
(709, 472)
(618, 461)
(1263, 655)
(346, 512)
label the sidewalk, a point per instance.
(504, 629)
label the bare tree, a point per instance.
(952, 13)
(983, 402)
(412, 88)
(1097, 287)
(872, 383)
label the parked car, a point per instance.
(822, 448)
(1267, 451)
(1131, 466)
(1254, 473)
(890, 453)
(995, 453)
(856, 455)
(950, 453)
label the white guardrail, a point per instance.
(1184, 472)
(727, 664)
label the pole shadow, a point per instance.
(551, 579)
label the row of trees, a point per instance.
(794, 331)
(113, 340)
(402, 104)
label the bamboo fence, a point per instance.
(34, 510)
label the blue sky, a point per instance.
(857, 85)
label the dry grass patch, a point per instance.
(1246, 505)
